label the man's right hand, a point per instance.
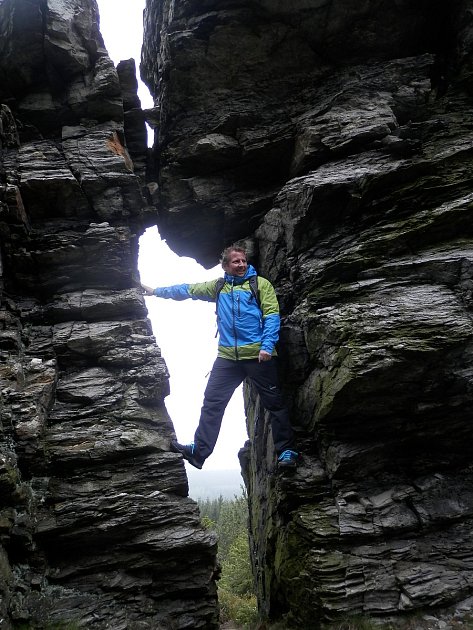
(146, 289)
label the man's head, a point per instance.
(234, 261)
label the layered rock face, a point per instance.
(336, 139)
(96, 527)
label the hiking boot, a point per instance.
(188, 453)
(288, 459)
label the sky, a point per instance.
(121, 25)
(185, 331)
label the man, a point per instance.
(248, 326)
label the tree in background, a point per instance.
(236, 588)
(210, 511)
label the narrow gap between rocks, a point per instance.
(185, 332)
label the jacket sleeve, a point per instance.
(270, 311)
(199, 291)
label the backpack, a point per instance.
(253, 280)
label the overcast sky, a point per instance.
(185, 331)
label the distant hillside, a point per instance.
(210, 484)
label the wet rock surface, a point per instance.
(96, 530)
(337, 140)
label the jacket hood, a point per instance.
(251, 271)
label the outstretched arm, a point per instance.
(199, 291)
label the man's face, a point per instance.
(236, 265)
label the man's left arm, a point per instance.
(271, 318)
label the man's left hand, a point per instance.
(264, 356)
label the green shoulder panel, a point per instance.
(203, 290)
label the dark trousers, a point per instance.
(225, 377)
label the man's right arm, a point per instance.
(199, 291)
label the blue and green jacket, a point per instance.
(244, 329)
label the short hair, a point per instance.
(228, 250)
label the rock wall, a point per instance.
(96, 529)
(336, 139)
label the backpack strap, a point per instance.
(253, 281)
(218, 287)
